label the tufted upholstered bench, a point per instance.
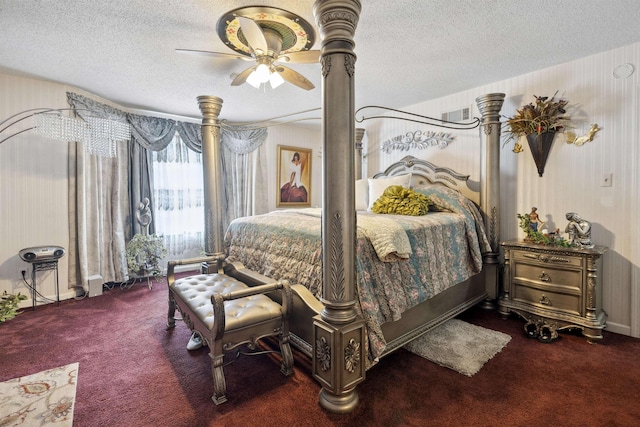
(227, 313)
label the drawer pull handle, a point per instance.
(544, 300)
(544, 277)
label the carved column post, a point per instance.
(338, 356)
(359, 136)
(489, 106)
(210, 107)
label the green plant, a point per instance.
(144, 253)
(9, 305)
(538, 237)
(545, 115)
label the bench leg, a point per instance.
(287, 356)
(219, 384)
(171, 319)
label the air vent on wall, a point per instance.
(457, 115)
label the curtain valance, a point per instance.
(155, 133)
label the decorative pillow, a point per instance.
(444, 198)
(401, 201)
(377, 186)
(362, 195)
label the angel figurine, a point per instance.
(143, 216)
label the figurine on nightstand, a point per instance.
(534, 220)
(579, 230)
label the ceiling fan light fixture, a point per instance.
(266, 35)
(275, 80)
(262, 73)
(253, 80)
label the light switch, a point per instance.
(607, 180)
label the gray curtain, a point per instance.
(99, 213)
(105, 192)
(148, 134)
(243, 172)
(99, 204)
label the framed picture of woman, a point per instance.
(294, 177)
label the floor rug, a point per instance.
(45, 398)
(459, 345)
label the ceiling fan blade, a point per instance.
(218, 54)
(254, 35)
(302, 57)
(242, 77)
(294, 77)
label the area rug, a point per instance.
(45, 398)
(459, 345)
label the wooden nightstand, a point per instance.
(553, 288)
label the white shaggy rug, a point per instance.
(459, 345)
(45, 398)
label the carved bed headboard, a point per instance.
(423, 173)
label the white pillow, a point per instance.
(377, 186)
(362, 195)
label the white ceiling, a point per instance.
(408, 51)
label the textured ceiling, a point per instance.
(408, 50)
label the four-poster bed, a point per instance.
(328, 326)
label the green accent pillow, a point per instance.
(399, 200)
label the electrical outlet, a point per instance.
(607, 180)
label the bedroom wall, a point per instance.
(572, 177)
(294, 136)
(33, 187)
(33, 182)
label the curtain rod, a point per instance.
(431, 120)
(268, 122)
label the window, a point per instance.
(178, 199)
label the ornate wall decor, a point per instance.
(417, 139)
(579, 141)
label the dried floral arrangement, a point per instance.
(545, 115)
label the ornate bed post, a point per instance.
(210, 107)
(359, 136)
(338, 335)
(489, 106)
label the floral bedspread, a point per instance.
(446, 247)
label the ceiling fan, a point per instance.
(269, 36)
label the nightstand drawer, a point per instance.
(557, 301)
(546, 258)
(548, 276)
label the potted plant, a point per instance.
(538, 122)
(144, 253)
(9, 305)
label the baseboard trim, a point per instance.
(617, 328)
